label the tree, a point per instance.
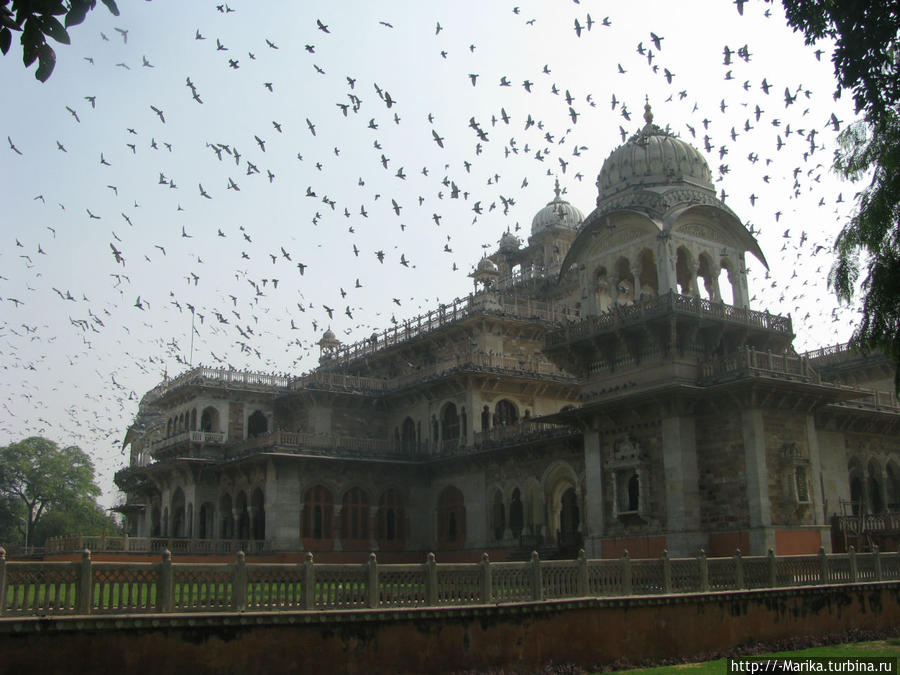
(38, 478)
(867, 61)
(36, 19)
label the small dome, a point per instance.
(558, 213)
(653, 157)
(487, 266)
(509, 242)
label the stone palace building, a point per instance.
(606, 386)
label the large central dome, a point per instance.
(652, 157)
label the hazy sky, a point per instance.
(83, 335)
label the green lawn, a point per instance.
(889, 647)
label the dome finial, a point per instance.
(648, 114)
(556, 189)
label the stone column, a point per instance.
(681, 486)
(815, 487)
(692, 290)
(593, 525)
(762, 537)
(665, 265)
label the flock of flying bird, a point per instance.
(278, 291)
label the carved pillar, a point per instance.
(592, 522)
(665, 265)
(693, 266)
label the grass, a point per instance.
(888, 648)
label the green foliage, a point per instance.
(36, 19)
(39, 480)
(866, 56)
(867, 60)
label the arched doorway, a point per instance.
(451, 518)
(243, 516)
(390, 520)
(505, 412)
(257, 424)
(178, 513)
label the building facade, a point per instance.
(605, 386)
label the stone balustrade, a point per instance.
(623, 315)
(86, 587)
(872, 523)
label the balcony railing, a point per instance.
(88, 587)
(749, 361)
(219, 376)
(623, 315)
(202, 437)
(484, 302)
(875, 524)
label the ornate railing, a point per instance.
(87, 587)
(829, 353)
(484, 302)
(753, 362)
(870, 523)
(204, 437)
(222, 376)
(73, 543)
(623, 315)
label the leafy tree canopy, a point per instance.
(867, 61)
(38, 478)
(37, 19)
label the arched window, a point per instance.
(516, 513)
(318, 509)
(498, 516)
(258, 505)
(257, 424)
(451, 518)
(485, 418)
(194, 419)
(389, 522)
(355, 516)
(505, 412)
(408, 436)
(449, 423)
(209, 419)
(634, 492)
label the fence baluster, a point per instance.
(486, 581)
(583, 581)
(431, 590)
(372, 582)
(667, 571)
(704, 571)
(165, 591)
(537, 584)
(308, 590)
(626, 573)
(773, 577)
(85, 583)
(239, 583)
(2, 580)
(738, 570)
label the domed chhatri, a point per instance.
(509, 242)
(557, 213)
(652, 157)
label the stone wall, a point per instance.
(722, 473)
(587, 632)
